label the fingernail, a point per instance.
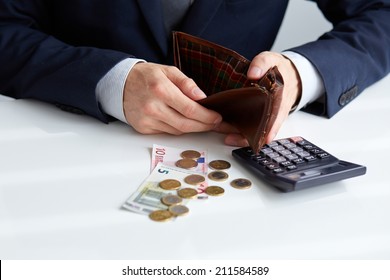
(198, 93)
(255, 72)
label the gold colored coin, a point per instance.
(186, 163)
(215, 191)
(241, 183)
(187, 193)
(179, 210)
(171, 199)
(191, 154)
(161, 215)
(170, 184)
(219, 164)
(194, 179)
(218, 176)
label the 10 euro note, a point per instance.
(148, 196)
(169, 156)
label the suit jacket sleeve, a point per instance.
(37, 65)
(354, 54)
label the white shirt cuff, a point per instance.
(312, 84)
(109, 90)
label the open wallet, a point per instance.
(250, 106)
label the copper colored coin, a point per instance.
(194, 179)
(241, 183)
(219, 164)
(191, 154)
(160, 215)
(178, 210)
(186, 163)
(170, 184)
(187, 193)
(171, 199)
(214, 191)
(218, 176)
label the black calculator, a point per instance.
(295, 163)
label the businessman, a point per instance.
(111, 58)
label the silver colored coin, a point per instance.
(218, 176)
(171, 199)
(241, 183)
(179, 210)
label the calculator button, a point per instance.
(285, 163)
(291, 156)
(277, 170)
(272, 166)
(273, 144)
(298, 161)
(266, 150)
(309, 147)
(316, 151)
(290, 146)
(323, 155)
(296, 139)
(291, 167)
(310, 158)
(284, 141)
(285, 152)
(278, 148)
(296, 150)
(279, 159)
(273, 155)
(265, 161)
(303, 154)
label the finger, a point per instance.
(174, 122)
(261, 63)
(236, 139)
(184, 84)
(191, 109)
(225, 128)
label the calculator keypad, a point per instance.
(288, 154)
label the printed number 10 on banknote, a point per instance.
(169, 156)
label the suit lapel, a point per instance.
(153, 14)
(200, 15)
(195, 22)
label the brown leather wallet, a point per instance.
(250, 106)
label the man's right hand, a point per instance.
(161, 99)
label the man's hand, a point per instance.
(291, 92)
(159, 98)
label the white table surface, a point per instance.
(64, 177)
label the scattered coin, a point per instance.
(170, 184)
(214, 191)
(178, 210)
(191, 154)
(171, 199)
(194, 179)
(187, 193)
(161, 215)
(241, 183)
(186, 163)
(218, 176)
(219, 164)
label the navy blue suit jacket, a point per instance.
(58, 50)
